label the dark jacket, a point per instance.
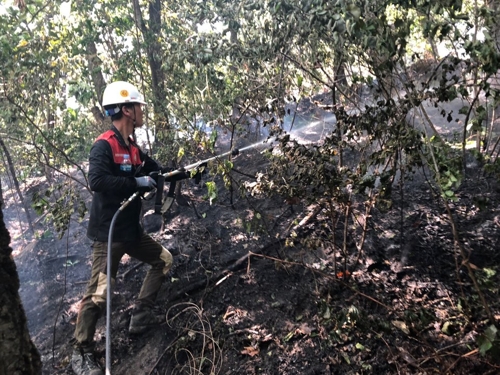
(113, 184)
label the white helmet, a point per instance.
(120, 92)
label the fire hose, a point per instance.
(165, 177)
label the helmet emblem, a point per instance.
(124, 93)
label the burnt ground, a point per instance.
(408, 308)
(240, 300)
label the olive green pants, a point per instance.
(94, 301)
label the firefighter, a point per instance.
(117, 169)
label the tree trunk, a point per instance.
(16, 185)
(495, 30)
(18, 354)
(50, 129)
(95, 63)
(153, 49)
(1, 192)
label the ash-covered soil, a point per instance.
(239, 301)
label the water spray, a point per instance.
(198, 164)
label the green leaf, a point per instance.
(180, 153)
(485, 341)
(446, 328)
(360, 346)
(300, 79)
(489, 272)
(346, 357)
(491, 332)
(212, 191)
(354, 10)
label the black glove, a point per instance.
(183, 174)
(154, 175)
(200, 171)
(145, 183)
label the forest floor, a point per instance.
(238, 301)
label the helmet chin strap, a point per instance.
(134, 122)
(135, 116)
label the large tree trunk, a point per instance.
(18, 354)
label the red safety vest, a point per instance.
(119, 150)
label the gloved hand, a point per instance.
(154, 175)
(145, 183)
(200, 170)
(194, 174)
(203, 166)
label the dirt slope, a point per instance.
(238, 301)
(408, 308)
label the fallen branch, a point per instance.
(124, 274)
(64, 258)
(366, 296)
(207, 282)
(438, 351)
(472, 352)
(170, 346)
(239, 262)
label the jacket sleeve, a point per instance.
(101, 174)
(150, 165)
